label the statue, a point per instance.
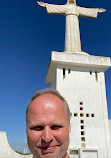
(72, 12)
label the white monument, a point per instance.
(71, 11)
(79, 77)
(6, 151)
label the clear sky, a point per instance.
(27, 37)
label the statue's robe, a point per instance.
(72, 12)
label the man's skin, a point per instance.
(48, 127)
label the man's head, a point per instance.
(48, 125)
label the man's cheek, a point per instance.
(33, 137)
(60, 135)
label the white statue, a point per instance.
(72, 12)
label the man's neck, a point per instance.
(66, 156)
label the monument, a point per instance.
(71, 11)
(79, 77)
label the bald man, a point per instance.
(48, 125)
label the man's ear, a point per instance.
(69, 128)
(26, 130)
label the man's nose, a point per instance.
(47, 135)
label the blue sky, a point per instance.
(27, 37)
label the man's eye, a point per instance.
(56, 127)
(38, 128)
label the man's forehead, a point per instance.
(47, 102)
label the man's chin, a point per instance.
(48, 155)
(49, 152)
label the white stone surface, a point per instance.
(110, 126)
(6, 151)
(83, 82)
(75, 59)
(88, 153)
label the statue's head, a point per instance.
(71, 2)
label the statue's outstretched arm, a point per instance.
(41, 4)
(52, 8)
(89, 12)
(101, 10)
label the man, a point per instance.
(48, 125)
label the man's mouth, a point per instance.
(48, 149)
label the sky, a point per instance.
(27, 37)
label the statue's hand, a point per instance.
(41, 4)
(101, 10)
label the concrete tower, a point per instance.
(79, 77)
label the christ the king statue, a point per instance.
(72, 12)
